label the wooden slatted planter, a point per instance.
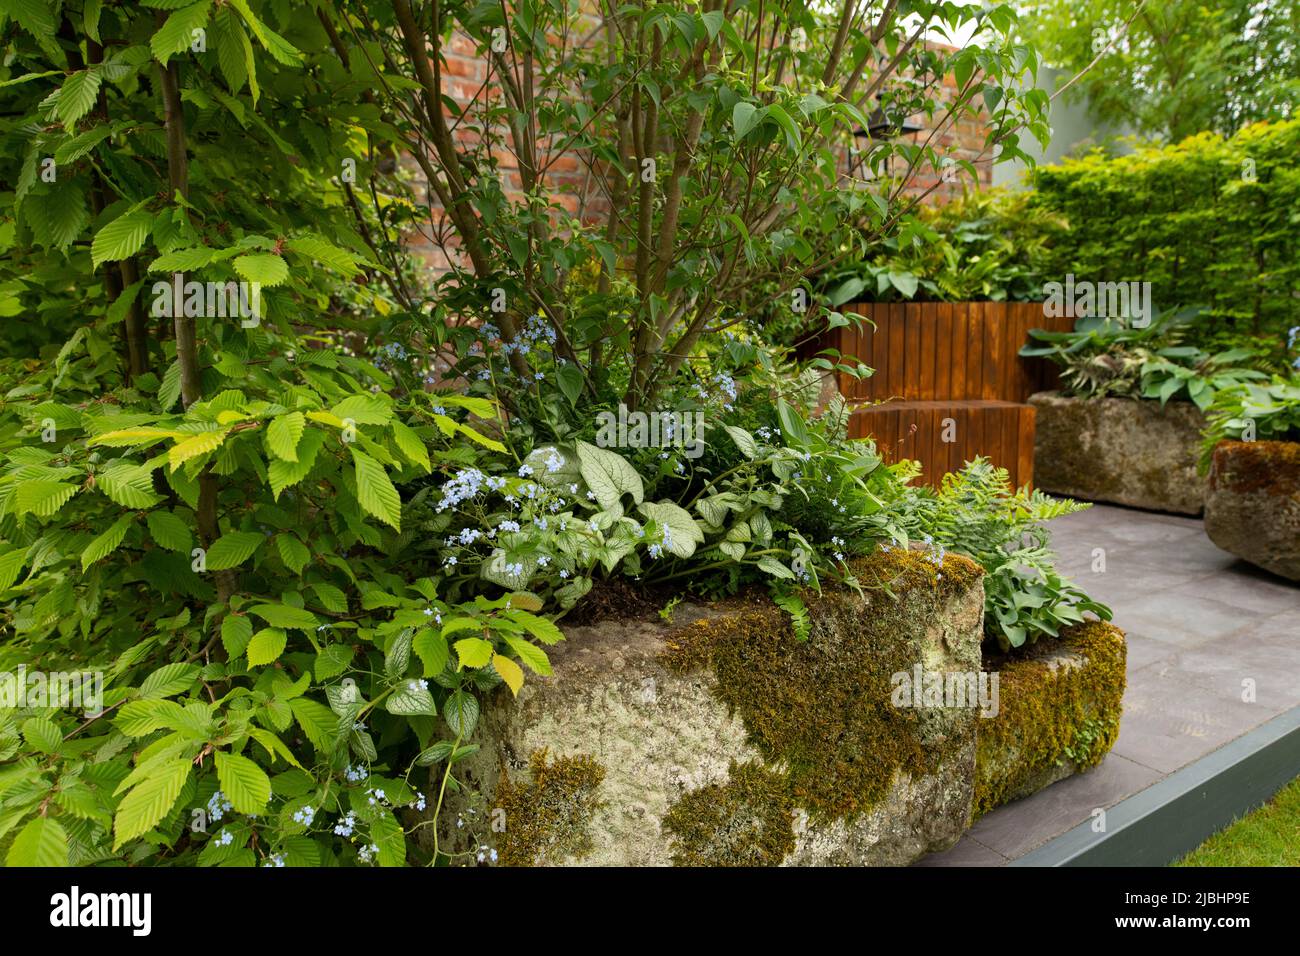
(953, 364)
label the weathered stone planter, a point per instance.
(1059, 713)
(1252, 506)
(1119, 450)
(720, 739)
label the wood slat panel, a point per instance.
(1025, 463)
(897, 352)
(924, 317)
(866, 354)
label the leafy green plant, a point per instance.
(977, 513)
(1110, 358)
(1250, 412)
(982, 247)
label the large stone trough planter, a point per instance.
(1252, 506)
(719, 739)
(1119, 450)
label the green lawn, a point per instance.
(1268, 837)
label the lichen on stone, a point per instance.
(1050, 715)
(819, 711)
(746, 821)
(546, 814)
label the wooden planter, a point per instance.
(949, 383)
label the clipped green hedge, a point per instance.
(1208, 221)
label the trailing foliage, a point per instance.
(977, 513)
(1253, 412)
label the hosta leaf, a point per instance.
(679, 532)
(609, 476)
(461, 713)
(265, 646)
(232, 549)
(410, 699)
(244, 783)
(150, 800)
(375, 490)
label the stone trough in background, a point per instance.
(1119, 450)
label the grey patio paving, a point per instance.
(1213, 652)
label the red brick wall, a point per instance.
(575, 190)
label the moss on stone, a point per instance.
(747, 821)
(1049, 716)
(546, 815)
(819, 711)
(1242, 467)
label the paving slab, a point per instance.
(1213, 652)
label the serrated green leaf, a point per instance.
(77, 96)
(375, 490)
(43, 734)
(532, 655)
(265, 646)
(106, 543)
(122, 237)
(42, 842)
(177, 32)
(244, 783)
(236, 632)
(169, 531)
(293, 552)
(283, 435)
(169, 680)
(233, 549)
(150, 800)
(264, 268)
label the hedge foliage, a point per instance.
(1208, 221)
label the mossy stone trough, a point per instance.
(1252, 508)
(719, 739)
(1119, 450)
